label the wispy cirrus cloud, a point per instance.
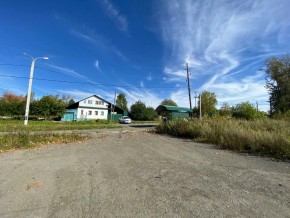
(68, 71)
(217, 39)
(80, 94)
(149, 77)
(114, 14)
(90, 36)
(149, 97)
(97, 65)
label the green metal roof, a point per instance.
(172, 108)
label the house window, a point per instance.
(90, 101)
(85, 101)
(90, 112)
(96, 113)
(82, 112)
(102, 113)
(97, 102)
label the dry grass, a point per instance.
(264, 137)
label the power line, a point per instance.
(84, 83)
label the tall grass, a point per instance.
(264, 137)
(25, 139)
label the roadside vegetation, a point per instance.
(25, 139)
(264, 137)
(17, 125)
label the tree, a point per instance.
(168, 102)
(278, 83)
(121, 102)
(245, 110)
(49, 106)
(71, 101)
(208, 103)
(12, 105)
(138, 110)
(226, 110)
(150, 113)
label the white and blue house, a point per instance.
(92, 108)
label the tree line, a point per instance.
(47, 107)
(277, 71)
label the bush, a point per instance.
(247, 111)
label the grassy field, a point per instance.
(25, 139)
(17, 125)
(264, 137)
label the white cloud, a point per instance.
(68, 72)
(97, 65)
(223, 42)
(79, 94)
(149, 77)
(142, 84)
(91, 37)
(150, 98)
(114, 14)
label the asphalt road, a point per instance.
(138, 174)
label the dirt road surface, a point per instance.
(141, 175)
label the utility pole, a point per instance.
(257, 104)
(188, 85)
(113, 111)
(200, 116)
(195, 97)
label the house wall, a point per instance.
(92, 108)
(84, 113)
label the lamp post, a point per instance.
(30, 86)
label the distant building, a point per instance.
(173, 112)
(92, 108)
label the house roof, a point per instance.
(172, 108)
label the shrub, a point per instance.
(247, 111)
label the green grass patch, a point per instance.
(264, 137)
(25, 139)
(17, 125)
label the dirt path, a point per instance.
(141, 175)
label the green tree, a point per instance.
(278, 83)
(208, 103)
(168, 102)
(138, 111)
(71, 101)
(226, 110)
(121, 102)
(150, 113)
(49, 106)
(12, 105)
(245, 110)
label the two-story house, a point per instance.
(91, 108)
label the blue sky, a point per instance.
(140, 48)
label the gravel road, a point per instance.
(139, 174)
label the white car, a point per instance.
(125, 119)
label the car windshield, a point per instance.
(125, 117)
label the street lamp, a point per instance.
(30, 86)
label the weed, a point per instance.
(265, 137)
